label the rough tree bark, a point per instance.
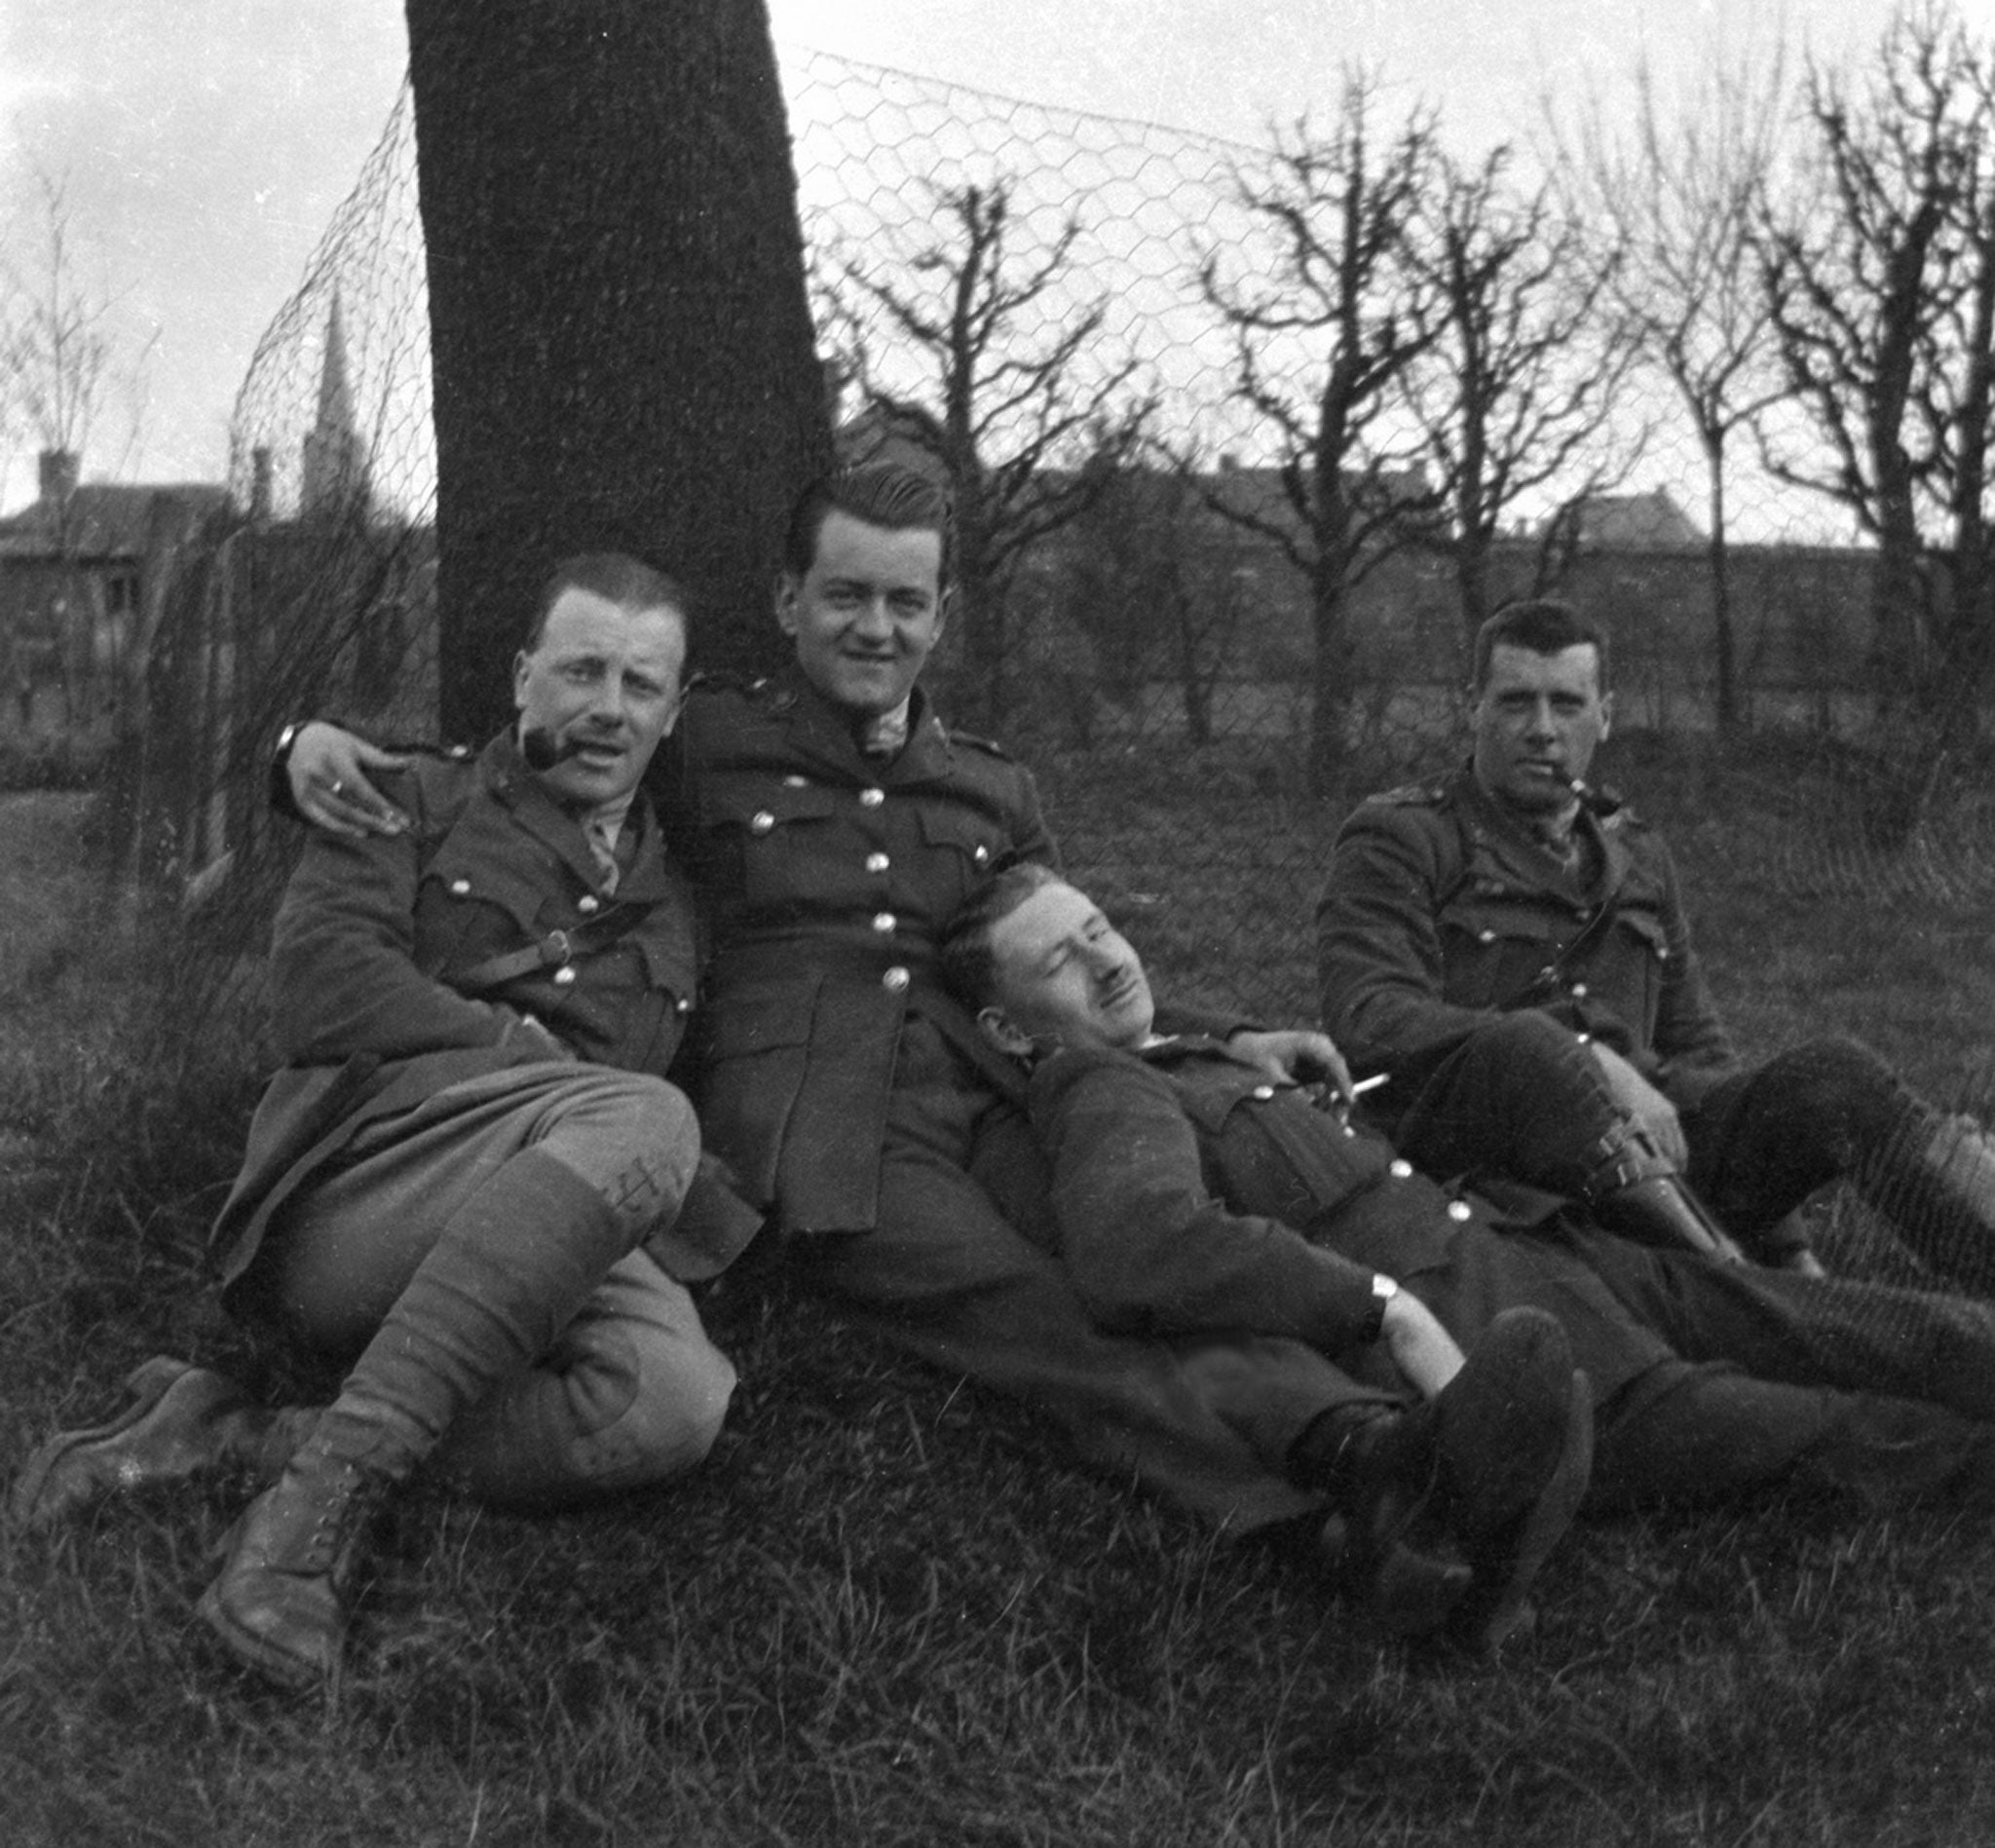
(620, 337)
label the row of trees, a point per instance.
(1426, 347)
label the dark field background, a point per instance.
(887, 1612)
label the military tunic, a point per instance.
(1190, 1195)
(466, 1008)
(1440, 915)
(1440, 912)
(404, 964)
(827, 877)
(853, 1094)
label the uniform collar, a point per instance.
(525, 797)
(1603, 853)
(826, 731)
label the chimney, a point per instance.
(61, 469)
(260, 480)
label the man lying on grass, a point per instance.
(1190, 1194)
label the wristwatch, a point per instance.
(1383, 1290)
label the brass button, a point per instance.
(589, 902)
(1579, 991)
(872, 797)
(1459, 1210)
(564, 976)
(883, 922)
(761, 821)
(1485, 936)
(982, 856)
(794, 781)
(876, 862)
(1263, 1092)
(1402, 1168)
(460, 888)
(682, 1005)
(1661, 952)
(896, 980)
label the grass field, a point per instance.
(886, 1613)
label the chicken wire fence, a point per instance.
(1160, 636)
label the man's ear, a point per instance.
(1606, 715)
(998, 1029)
(519, 673)
(786, 602)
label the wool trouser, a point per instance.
(943, 1274)
(477, 1257)
(1689, 1434)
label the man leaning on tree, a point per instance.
(470, 1176)
(1510, 946)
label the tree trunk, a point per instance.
(1330, 723)
(1725, 642)
(620, 343)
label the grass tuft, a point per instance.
(886, 1613)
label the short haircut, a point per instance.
(615, 576)
(968, 965)
(1542, 624)
(879, 493)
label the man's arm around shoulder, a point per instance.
(344, 976)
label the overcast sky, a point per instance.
(206, 143)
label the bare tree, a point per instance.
(62, 371)
(1325, 320)
(1006, 391)
(1517, 391)
(1150, 580)
(1881, 283)
(1678, 195)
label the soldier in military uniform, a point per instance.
(1512, 949)
(1192, 1194)
(469, 1171)
(831, 822)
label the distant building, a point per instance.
(334, 479)
(1629, 522)
(79, 568)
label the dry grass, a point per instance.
(886, 1613)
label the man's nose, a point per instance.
(607, 703)
(873, 619)
(1540, 722)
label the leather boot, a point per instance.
(1506, 1558)
(183, 1421)
(283, 1600)
(1936, 1183)
(508, 1273)
(1467, 1466)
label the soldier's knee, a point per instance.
(673, 1420)
(1837, 1083)
(1529, 1042)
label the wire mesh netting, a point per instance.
(1144, 571)
(1083, 322)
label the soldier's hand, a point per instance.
(328, 777)
(1421, 1348)
(1295, 1056)
(1650, 1109)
